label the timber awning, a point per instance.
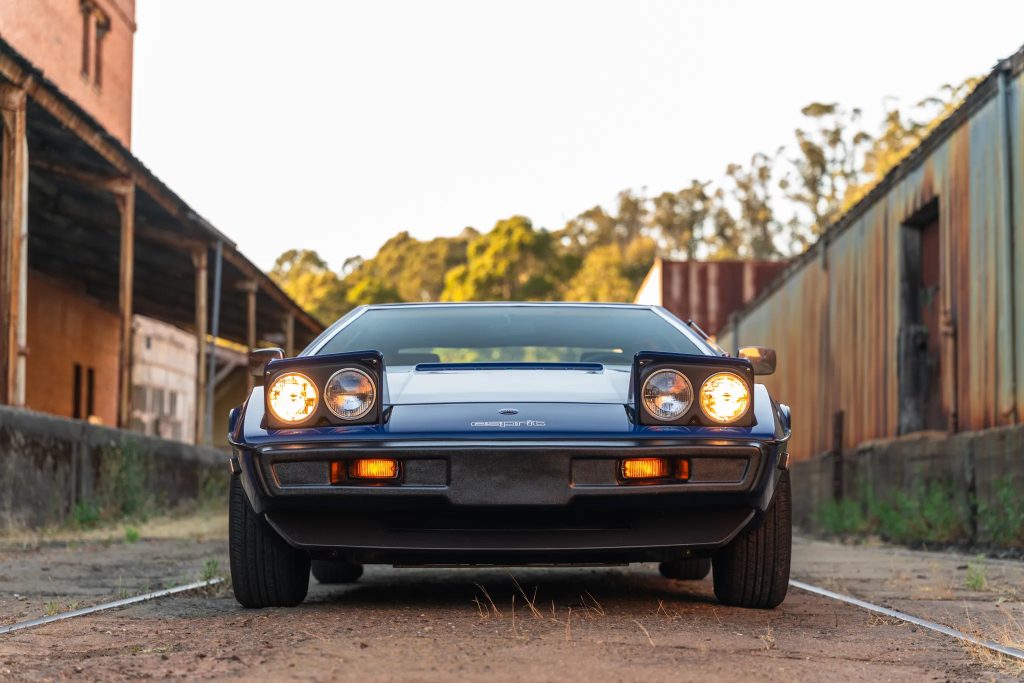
(78, 174)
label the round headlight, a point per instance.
(724, 397)
(667, 394)
(350, 394)
(292, 397)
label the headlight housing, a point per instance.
(724, 397)
(292, 398)
(667, 394)
(691, 390)
(350, 394)
(333, 390)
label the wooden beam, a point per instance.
(289, 335)
(199, 258)
(13, 233)
(270, 289)
(251, 288)
(117, 184)
(126, 205)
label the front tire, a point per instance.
(753, 570)
(336, 571)
(265, 570)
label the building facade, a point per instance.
(707, 292)
(908, 314)
(85, 47)
(116, 298)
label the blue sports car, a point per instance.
(510, 434)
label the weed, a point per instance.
(922, 515)
(1003, 520)
(52, 607)
(213, 489)
(976, 571)
(211, 570)
(124, 473)
(842, 517)
(131, 534)
(85, 514)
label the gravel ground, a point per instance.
(495, 624)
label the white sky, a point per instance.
(334, 125)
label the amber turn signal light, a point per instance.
(373, 468)
(656, 468)
(645, 468)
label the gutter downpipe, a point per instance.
(212, 344)
(1007, 301)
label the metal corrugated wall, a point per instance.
(835, 315)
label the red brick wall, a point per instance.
(49, 34)
(64, 328)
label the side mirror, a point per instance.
(762, 358)
(259, 358)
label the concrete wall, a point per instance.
(48, 464)
(971, 467)
(50, 35)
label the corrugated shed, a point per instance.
(836, 316)
(707, 292)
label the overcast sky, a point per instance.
(333, 125)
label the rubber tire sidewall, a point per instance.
(265, 570)
(753, 569)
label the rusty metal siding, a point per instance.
(792, 319)
(1015, 124)
(835, 317)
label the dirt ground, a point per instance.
(495, 624)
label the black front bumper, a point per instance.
(502, 502)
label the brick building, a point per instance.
(118, 303)
(85, 47)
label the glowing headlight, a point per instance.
(350, 394)
(724, 397)
(667, 394)
(292, 397)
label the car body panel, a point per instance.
(512, 463)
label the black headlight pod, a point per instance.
(681, 389)
(314, 391)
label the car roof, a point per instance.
(588, 304)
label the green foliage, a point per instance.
(925, 514)
(211, 570)
(602, 254)
(842, 517)
(123, 478)
(512, 262)
(131, 534)
(213, 488)
(1003, 520)
(85, 514)
(976, 574)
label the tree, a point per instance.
(680, 218)
(511, 262)
(829, 163)
(609, 273)
(754, 231)
(307, 279)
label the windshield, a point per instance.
(474, 334)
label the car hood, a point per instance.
(411, 386)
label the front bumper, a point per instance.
(511, 502)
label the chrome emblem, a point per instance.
(508, 411)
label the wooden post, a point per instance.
(126, 205)
(199, 259)
(289, 335)
(13, 216)
(250, 287)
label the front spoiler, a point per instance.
(497, 485)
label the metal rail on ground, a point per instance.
(1015, 653)
(109, 605)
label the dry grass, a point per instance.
(1010, 634)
